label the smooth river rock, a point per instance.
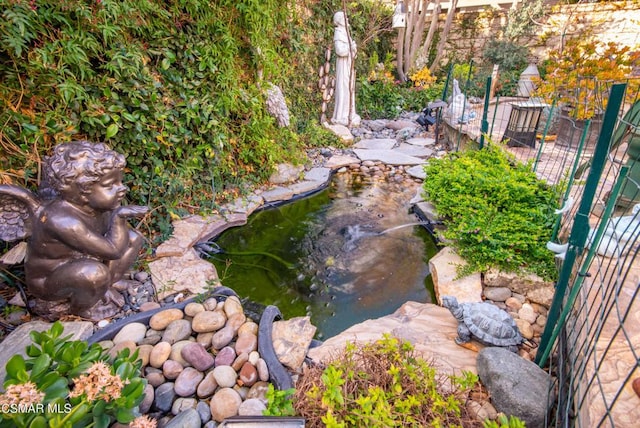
(134, 332)
(222, 337)
(171, 369)
(162, 319)
(208, 386)
(246, 343)
(176, 331)
(165, 395)
(159, 354)
(232, 306)
(248, 374)
(207, 321)
(224, 404)
(497, 294)
(252, 407)
(189, 418)
(187, 382)
(195, 354)
(225, 356)
(225, 376)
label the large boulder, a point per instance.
(431, 329)
(517, 386)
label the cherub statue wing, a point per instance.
(18, 207)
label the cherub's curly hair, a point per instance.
(82, 162)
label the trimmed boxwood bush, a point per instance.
(497, 213)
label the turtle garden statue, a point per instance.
(79, 243)
(484, 322)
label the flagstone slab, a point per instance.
(418, 151)
(421, 141)
(318, 174)
(389, 157)
(338, 161)
(444, 271)
(417, 172)
(431, 329)
(187, 273)
(305, 187)
(16, 342)
(376, 144)
(341, 131)
(245, 205)
(193, 229)
(277, 194)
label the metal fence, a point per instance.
(591, 343)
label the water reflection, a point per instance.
(345, 270)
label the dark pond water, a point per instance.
(342, 255)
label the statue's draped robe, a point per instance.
(345, 79)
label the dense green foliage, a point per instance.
(380, 96)
(386, 100)
(177, 86)
(496, 212)
(383, 383)
(511, 58)
(279, 402)
(504, 422)
(508, 55)
(73, 383)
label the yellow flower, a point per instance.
(422, 77)
(98, 383)
(22, 394)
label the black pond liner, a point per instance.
(278, 374)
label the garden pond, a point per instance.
(347, 253)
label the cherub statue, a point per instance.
(80, 244)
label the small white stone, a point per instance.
(254, 356)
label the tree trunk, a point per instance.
(412, 17)
(418, 30)
(445, 32)
(432, 29)
(400, 56)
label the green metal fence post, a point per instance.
(495, 113)
(446, 84)
(567, 191)
(484, 127)
(464, 105)
(544, 136)
(580, 228)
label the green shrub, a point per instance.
(507, 54)
(381, 384)
(279, 402)
(504, 422)
(177, 87)
(67, 383)
(386, 99)
(496, 212)
(379, 99)
(417, 98)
